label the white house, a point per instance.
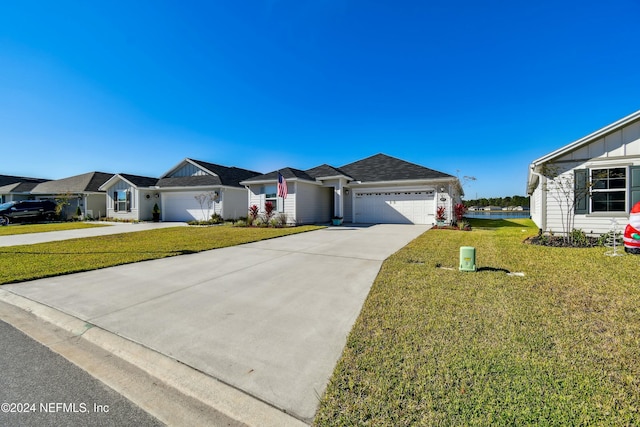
(177, 191)
(594, 179)
(378, 189)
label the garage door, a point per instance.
(406, 207)
(182, 206)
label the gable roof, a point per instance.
(139, 181)
(613, 127)
(18, 184)
(86, 183)
(135, 180)
(381, 167)
(326, 171)
(214, 175)
(287, 173)
(9, 179)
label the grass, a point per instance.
(559, 346)
(43, 228)
(20, 263)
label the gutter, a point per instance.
(543, 201)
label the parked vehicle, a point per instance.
(27, 210)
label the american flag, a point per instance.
(282, 186)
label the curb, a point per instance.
(167, 389)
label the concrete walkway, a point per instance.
(269, 318)
(110, 228)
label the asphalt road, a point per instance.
(40, 388)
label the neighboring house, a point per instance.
(602, 174)
(78, 191)
(14, 188)
(130, 197)
(177, 193)
(378, 189)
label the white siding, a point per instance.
(96, 205)
(536, 204)
(188, 170)
(234, 203)
(313, 203)
(593, 223)
(108, 207)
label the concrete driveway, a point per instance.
(270, 318)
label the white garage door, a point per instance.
(406, 207)
(182, 206)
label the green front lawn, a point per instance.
(43, 228)
(19, 263)
(435, 346)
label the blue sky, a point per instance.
(463, 87)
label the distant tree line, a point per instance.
(499, 201)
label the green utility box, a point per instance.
(467, 258)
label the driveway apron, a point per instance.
(270, 318)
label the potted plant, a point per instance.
(156, 213)
(336, 220)
(441, 215)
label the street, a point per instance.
(40, 388)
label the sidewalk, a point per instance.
(110, 228)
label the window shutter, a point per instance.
(580, 188)
(115, 201)
(634, 197)
(128, 201)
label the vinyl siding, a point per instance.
(109, 203)
(234, 203)
(591, 223)
(314, 203)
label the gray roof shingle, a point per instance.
(325, 170)
(228, 176)
(8, 179)
(287, 173)
(381, 167)
(140, 181)
(88, 182)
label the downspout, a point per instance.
(543, 198)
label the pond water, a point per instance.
(497, 214)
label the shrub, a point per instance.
(281, 220)
(579, 238)
(253, 214)
(240, 223)
(216, 219)
(268, 212)
(459, 210)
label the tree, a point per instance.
(567, 190)
(206, 199)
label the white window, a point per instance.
(609, 190)
(122, 201)
(271, 195)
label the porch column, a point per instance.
(338, 199)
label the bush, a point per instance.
(216, 219)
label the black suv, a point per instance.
(27, 210)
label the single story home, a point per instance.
(589, 182)
(191, 190)
(81, 191)
(15, 188)
(377, 189)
